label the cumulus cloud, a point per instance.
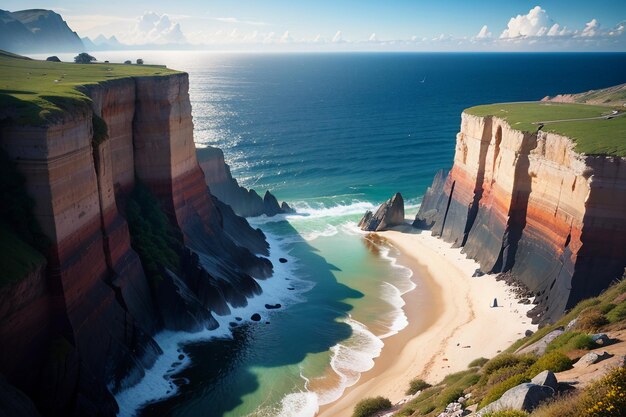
(236, 20)
(535, 23)
(373, 38)
(152, 28)
(591, 28)
(337, 38)
(286, 37)
(483, 33)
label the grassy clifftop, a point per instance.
(34, 92)
(596, 130)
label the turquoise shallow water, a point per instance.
(334, 135)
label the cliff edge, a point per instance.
(537, 192)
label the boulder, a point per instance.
(389, 214)
(255, 317)
(591, 358)
(425, 218)
(546, 378)
(600, 339)
(571, 324)
(53, 58)
(270, 205)
(539, 347)
(524, 397)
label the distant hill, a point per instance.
(37, 30)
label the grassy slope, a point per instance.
(487, 381)
(592, 137)
(32, 92)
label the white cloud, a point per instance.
(152, 28)
(618, 29)
(484, 33)
(535, 23)
(337, 38)
(236, 20)
(373, 38)
(286, 37)
(591, 28)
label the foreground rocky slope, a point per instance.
(528, 204)
(78, 327)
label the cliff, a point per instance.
(526, 201)
(244, 202)
(137, 242)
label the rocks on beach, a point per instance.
(389, 214)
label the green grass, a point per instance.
(591, 137)
(35, 92)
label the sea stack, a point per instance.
(389, 214)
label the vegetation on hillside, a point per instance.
(592, 137)
(152, 235)
(34, 92)
(486, 380)
(371, 406)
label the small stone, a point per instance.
(255, 317)
(591, 358)
(272, 306)
(181, 357)
(571, 324)
(478, 273)
(546, 378)
(528, 333)
(282, 260)
(238, 318)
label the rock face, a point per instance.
(81, 326)
(389, 214)
(525, 397)
(246, 203)
(529, 204)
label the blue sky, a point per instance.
(352, 24)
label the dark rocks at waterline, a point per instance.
(273, 306)
(255, 317)
(238, 318)
(290, 288)
(282, 260)
(478, 273)
(389, 214)
(181, 357)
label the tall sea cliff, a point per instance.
(137, 244)
(529, 205)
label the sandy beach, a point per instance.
(456, 326)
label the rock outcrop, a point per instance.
(246, 203)
(81, 325)
(524, 397)
(529, 204)
(389, 214)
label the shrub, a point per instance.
(478, 362)
(449, 395)
(561, 406)
(505, 373)
(618, 313)
(507, 413)
(505, 360)
(591, 320)
(370, 406)
(497, 390)
(571, 341)
(416, 385)
(139, 61)
(607, 397)
(555, 361)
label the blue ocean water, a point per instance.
(334, 135)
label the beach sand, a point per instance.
(455, 326)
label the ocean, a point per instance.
(333, 135)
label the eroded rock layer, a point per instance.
(528, 204)
(81, 325)
(244, 202)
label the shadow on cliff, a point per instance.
(223, 369)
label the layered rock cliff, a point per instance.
(526, 203)
(81, 324)
(244, 202)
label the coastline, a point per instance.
(460, 324)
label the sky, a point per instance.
(434, 25)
